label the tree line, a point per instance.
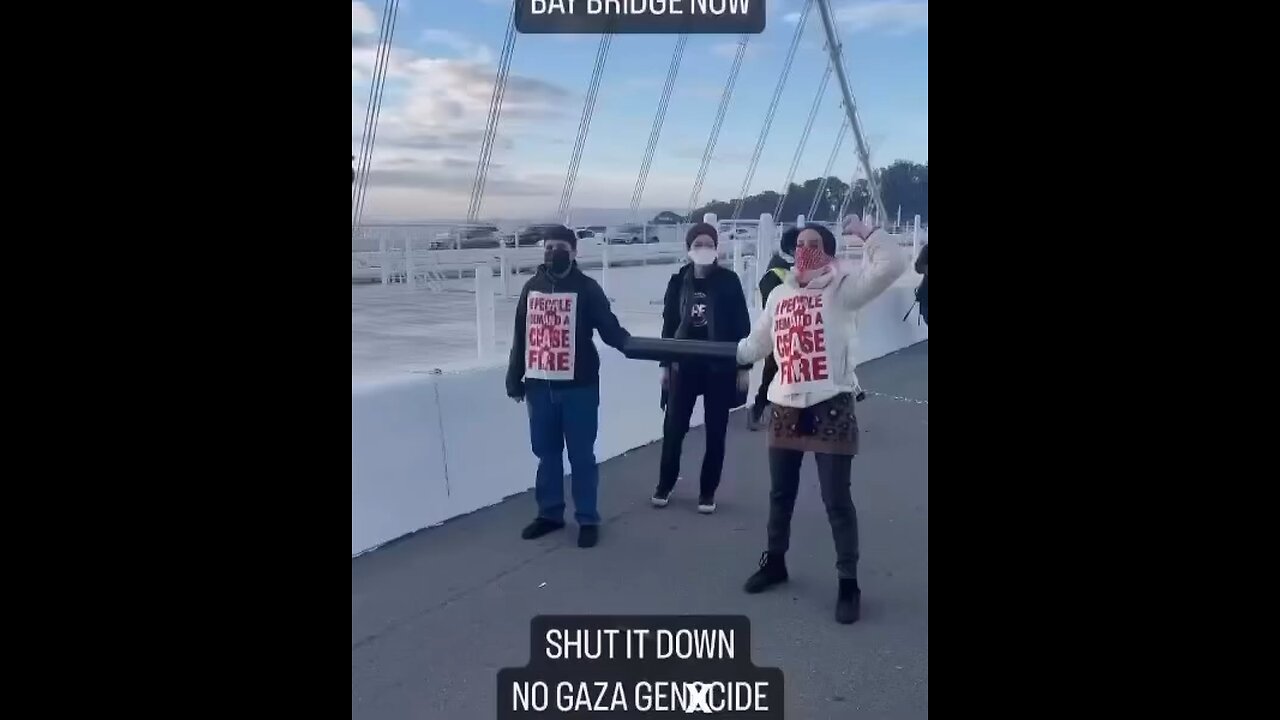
(903, 184)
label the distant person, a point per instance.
(704, 301)
(554, 365)
(779, 264)
(922, 292)
(807, 324)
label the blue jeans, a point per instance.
(561, 418)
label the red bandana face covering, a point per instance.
(810, 261)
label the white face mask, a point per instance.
(702, 255)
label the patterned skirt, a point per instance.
(829, 427)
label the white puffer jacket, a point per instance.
(844, 290)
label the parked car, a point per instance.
(629, 234)
(530, 235)
(467, 237)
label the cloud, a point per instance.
(895, 17)
(467, 49)
(433, 117)
(363, 21)
(730, 49)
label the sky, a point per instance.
(441, 74)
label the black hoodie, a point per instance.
(729, 319)
(591, 314)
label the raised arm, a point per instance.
(884, 263)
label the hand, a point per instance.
(744, 380)
(854, 225)
(665, 381)
(516, 393)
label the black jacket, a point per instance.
(770, 279)
(592, 315)
(730, 319)
(922, 267)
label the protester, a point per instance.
(554, 365)
(807, 325)
(922, 292)
(779, 264)
(704, 301)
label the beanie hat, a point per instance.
(788, 242)
(560, 232)
(701, 229)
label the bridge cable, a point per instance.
(831, 161)
(584, 126)
(491, 122)
(804, 139)
(848, 195)
(656, 130)
(370, 102)
(370, 135)
(709, 152)
(773, 109)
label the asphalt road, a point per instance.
(433, 617)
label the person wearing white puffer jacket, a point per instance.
(808, 325)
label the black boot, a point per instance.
(773, 570)
(848, 602)
(540, 527)
(588, 536)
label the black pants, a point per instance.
(834, 476)
(770, 369)
(717, 388)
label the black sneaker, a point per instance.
(660, 498)
(848, 602)
(773, 570)
(706, 506)
(588, 536)
(540, 527)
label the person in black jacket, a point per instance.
(779, 264)
(922, 292)
(555, 367)
(703, 302)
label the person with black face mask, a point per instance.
(703, 302)
(779, 264)
(555, 367)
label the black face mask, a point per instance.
(557, 260)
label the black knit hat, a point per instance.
(828, 240)
(560, 232)
(701, 229)
(788, 242)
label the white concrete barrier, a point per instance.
(432, 447)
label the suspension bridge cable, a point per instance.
(491, 122)
(850, 106)
(501, 82)
(368, 106)
(848, 195)
(393, 11)
(658, 118)
(773, 109)
(382, 62)
(831, 162)
(804, 140)
(584, 125)
(715, 127)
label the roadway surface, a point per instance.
(434, 616)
